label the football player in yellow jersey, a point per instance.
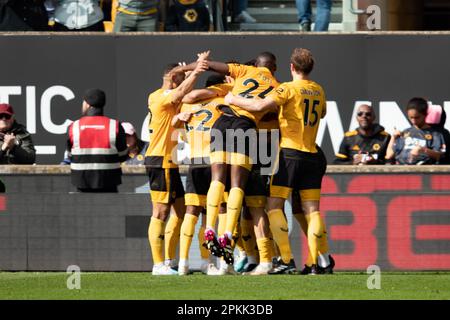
(300, 105)
(198, 118)
(233, 139)
(164, 178)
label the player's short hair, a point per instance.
(302, 60)
(266, 59)
(169, 67)
(266, 55)
(418, 104)
(251, 63)
(215, 79)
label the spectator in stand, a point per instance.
(16, 146)
(136, 15)
(365, 145)
(78, 15)
(436, 117)
(23, 15)
(419, 144)
(97, 146)
(323, 15)
(136, 147)
(187, 15)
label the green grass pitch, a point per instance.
(138, 285)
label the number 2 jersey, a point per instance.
(204, 115)
(301, 104)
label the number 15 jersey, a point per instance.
(301, 104)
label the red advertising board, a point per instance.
(397, 221)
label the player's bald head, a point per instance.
(268, 60)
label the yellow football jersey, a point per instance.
(302, 104)
(204, 115)
(162, 148)
(251, 82)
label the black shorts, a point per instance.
(298, 170)
(233, 141)
(198, 180)
(165, 185)
(256, 190)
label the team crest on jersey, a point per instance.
(356, 148)
(428, 136)
(191, 15)
(376, 147)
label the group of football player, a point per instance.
(241, 114)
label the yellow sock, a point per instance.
(187, 234)
(204, 253)
(222, 223)
(315, 233)
(300, 217)
(238, 235)
(280, 232)
(323, 243)
(265, 248)
(248, 237)
(234, 206)
(156, 239)
(213, 200)
(275, 250)
(172, 236)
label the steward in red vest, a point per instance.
(97, 146)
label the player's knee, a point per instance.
(160, 211)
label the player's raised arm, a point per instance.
(199, 94)
(252, 105)
(219, 67)
(188, 84)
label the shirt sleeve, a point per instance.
(438, 142)
(221, 89)
(157, 103)
(280, 95)
(324, 110)
(342, 157)
(237, 70)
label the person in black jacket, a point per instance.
(439, 127)
(23, 15)
(367, 144)
(16, 145)
(187, 15)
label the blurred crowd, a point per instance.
(113, 15)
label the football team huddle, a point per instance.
(251, 147)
